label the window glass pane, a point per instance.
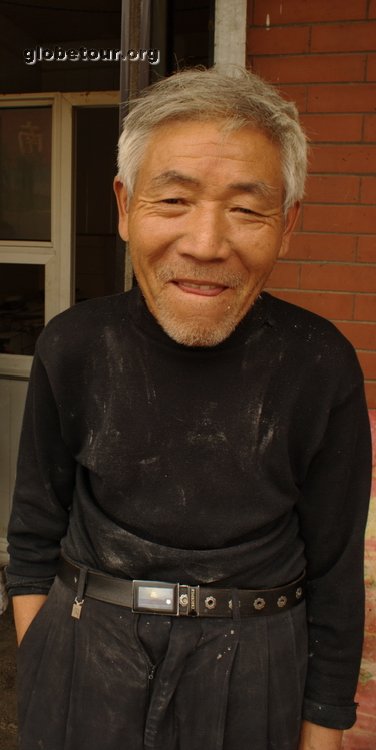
(25, 173)
(36, 37)
(21, 307)
(190, 33)
(99, 255)
(183, 31)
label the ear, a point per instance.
(122, 204)
(290, 221)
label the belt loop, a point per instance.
(81, 583)
(235, 604)
(79, 600)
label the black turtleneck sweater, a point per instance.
(238, 464)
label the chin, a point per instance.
(193, 328)
(196, 333)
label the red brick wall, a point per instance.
(322, 54)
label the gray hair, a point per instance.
(239, 99)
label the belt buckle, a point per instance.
(155, 597)
(189, 600)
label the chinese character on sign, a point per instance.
(30, 139)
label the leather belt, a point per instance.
(158, 597)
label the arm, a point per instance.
(314, 737)
(333, 513)
(25, 608)
(43, 492)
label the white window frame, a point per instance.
(55, 255)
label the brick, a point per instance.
(311, 68)
(370, 627)
(278, 41)
(344, 37)
(296, 11)
(338, 277)
(284, 275)
(299, 222)
(367, 683)
(339, 219)
(341, 158)
(369, 650)
(368, 190)
(372, 9)
(317, 246)
(367, 723)
(361, 335)
(342, 97)
(371, 393)
(367, 249)
(326, 128)
(333, 189)
(365, 307)
(370, 128)
(370, 545)
(355, 740)
(295, 93)
(371, 68)
(368, 364)
(332, 305)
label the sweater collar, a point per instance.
(254, 319)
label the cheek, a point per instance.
(259, 255)
(145, 257)
(151, 238)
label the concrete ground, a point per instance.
(8, 720)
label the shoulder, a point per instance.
(312, 338)
(98, 311)
(298, 323)
(81, 328)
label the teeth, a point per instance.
(205, 287)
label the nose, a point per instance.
(205, 236)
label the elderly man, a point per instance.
(194, 466)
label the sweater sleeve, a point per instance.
(333, 514)
(43, 491)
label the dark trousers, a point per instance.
(114, 680)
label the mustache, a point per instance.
(176, 272)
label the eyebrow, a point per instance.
(255, 187)
(172, 176)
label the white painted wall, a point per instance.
(12, 402)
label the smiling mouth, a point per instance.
(205, 289)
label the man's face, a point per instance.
(205, 226)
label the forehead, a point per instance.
(208, 150)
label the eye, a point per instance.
(172, 201)
(246, 211)
(247, 214)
